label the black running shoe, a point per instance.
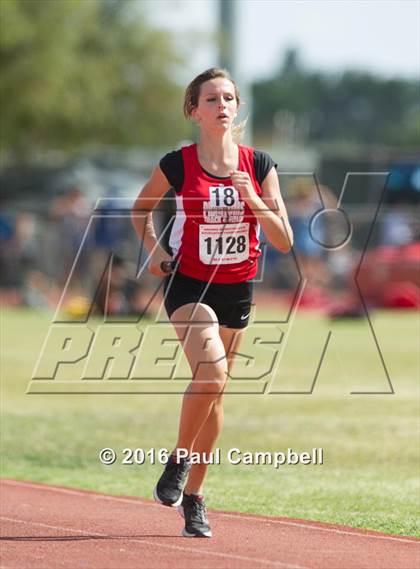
(193, 509)
(168, 490)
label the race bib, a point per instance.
(224, 244)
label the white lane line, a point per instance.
(164, 545)
(333, 530)
(222, 514)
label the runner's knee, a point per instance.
(210, 377)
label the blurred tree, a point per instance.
(355, 107)
(76, 73)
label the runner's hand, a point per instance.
(242, 182)
(158, 256)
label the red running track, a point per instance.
(50, 527)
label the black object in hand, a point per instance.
(168, 266)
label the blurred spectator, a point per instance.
(303, 201)
(6, 239)
(395, 227)
(19, 248)
(71, 213)
(119, 293)
(37, 291)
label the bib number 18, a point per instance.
(223, 196)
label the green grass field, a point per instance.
(369, 478)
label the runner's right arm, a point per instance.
(142, 219)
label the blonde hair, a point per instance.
(192, 94)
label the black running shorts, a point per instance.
(231, 302)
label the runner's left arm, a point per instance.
(269, 208)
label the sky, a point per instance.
(381, 36)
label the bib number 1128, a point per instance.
(233, 244)
(224, 243)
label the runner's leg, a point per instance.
(211, 429)
(198, 329)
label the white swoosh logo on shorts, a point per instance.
(246, 316)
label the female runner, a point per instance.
(224, 192)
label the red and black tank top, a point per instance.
(215, 234)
